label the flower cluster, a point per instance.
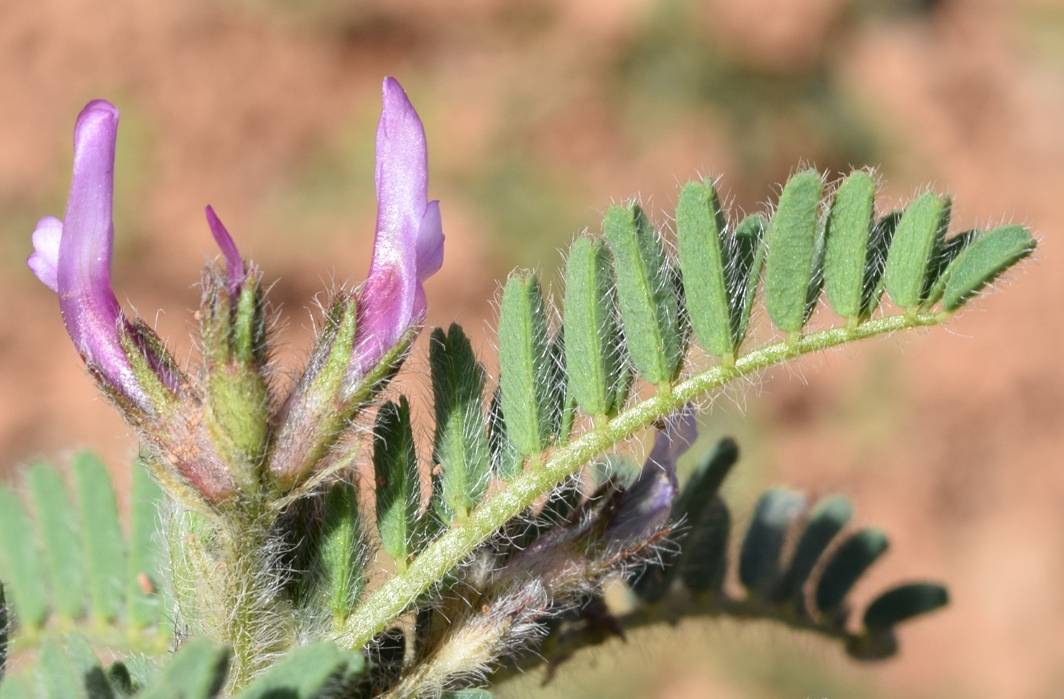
(225, 433)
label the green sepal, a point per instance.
(827, 518)
(526, 370)
(646, 294)
(306, 673)
(340, 560)
(849, 229)
(461, 452)
(143, 581)
(105, 554)
(147, 354)
(397, 480)
(315, 414)
(760, 559)
(916, 244)
(594, 349)
(702, 249)
(197, 671)
(903, 603)
(59, 536)
(982, 261)
(744, 272)
(20, 566)
(791, 269)
(846, 565)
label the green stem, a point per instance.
(397, 594)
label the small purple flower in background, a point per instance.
(73, 257)
(645, 507)
(409, 245)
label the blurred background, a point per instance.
(539, 114)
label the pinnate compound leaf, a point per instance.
(646, 294)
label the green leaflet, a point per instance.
(876, 261)
(702, 248)
(848, 236)
(340, 559)
(744, 273)
(102, 536)
(59, 536)
(305, 674)
(57, 675)
(793, 248)
(525, 366)
(904, 602)
(506, 461)
(646, 294)
(594, 352)
(20, 568)
(705, 561)
(846, 566)
(143, 583)
(398, 491)
(914, 248)
(760, 557)
(461, 442)
(197, 671)
(826, 520)
(982, 261)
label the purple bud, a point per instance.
(409, 245)
(73, 256)
(234, 265)
(645, 507)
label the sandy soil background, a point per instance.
(539, 114)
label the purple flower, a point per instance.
(234, 265)
(645, 507)
(73, 257)
(409, 245)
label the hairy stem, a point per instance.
(396, 595)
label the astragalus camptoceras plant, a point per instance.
(299, 553)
